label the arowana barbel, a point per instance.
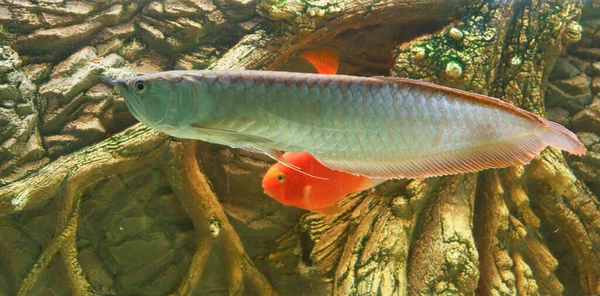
(379, 127)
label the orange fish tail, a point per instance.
(324, 60)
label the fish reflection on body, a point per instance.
(377, 127)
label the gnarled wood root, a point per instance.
(212, 226)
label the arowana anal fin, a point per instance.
(499, 155)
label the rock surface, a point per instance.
(21, 147)
(573, 96)
(77, 104)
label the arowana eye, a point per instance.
(281, 178)
(140, 86)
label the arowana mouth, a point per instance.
(108, 79)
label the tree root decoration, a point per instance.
(71, 175)
(194, 191)
(507, 230)
(514, 256)
(77, 279)
(48, 253)
(311, 23)
(525, 284)
(71, 196)
(444, 258)
(123, 152)
(196, 269)
(365, 247)
(574, 211)
(126, 151)
(524, 236)
(490, 226)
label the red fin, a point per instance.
(324, 60)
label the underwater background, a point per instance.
(92, 203)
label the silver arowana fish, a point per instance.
(379, 127)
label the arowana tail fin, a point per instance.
(561, 138)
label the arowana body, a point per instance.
(296, 187)
(379, 127)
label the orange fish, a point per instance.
(293, 188)
(299, 189)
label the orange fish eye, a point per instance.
(281, 178)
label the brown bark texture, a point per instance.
(93, 203)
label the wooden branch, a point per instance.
(366, 246)
(490, 226)
(71, 200)
(48, 253)
(70, 175)
(527, 240)
(70, 178)
(444, 258)
(197, 265)
(312, 23)
(124, 152)
(194, 191)
(524, 281)
(518, 35)
(571, 207)
(77, 279)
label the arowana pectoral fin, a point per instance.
(251, 143)
(278, 155)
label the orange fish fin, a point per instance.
(324, 60)
(332, 210)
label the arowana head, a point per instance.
(160, 100)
